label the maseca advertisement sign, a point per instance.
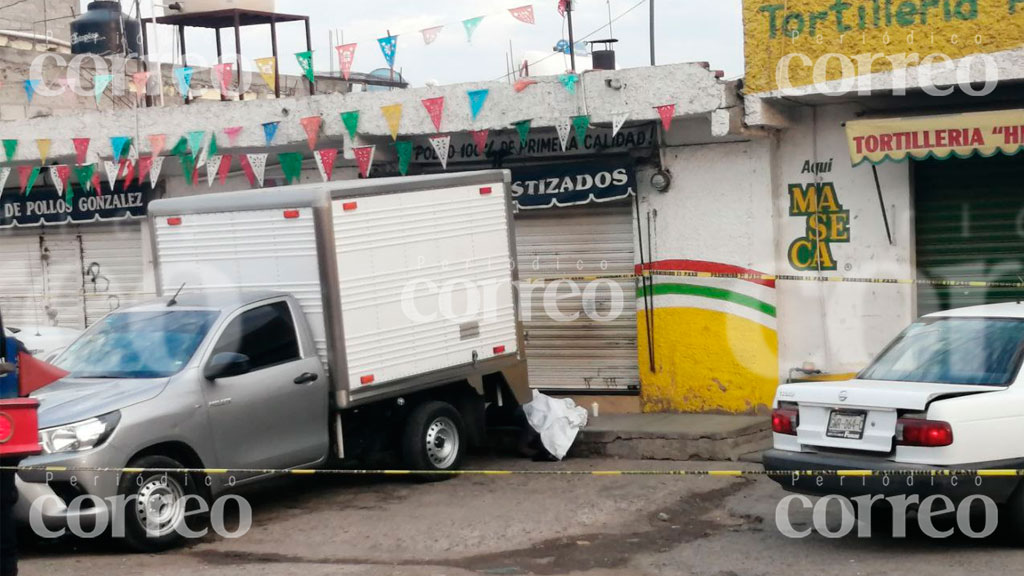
(47, 206)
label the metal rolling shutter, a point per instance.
(584, 353)
(21, 279)
(969, 226)
(62, 279)
(113, 263)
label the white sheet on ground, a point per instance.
(557, 420)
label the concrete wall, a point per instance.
(28, 16)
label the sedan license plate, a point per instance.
(847, 425)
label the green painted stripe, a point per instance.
(713, 293)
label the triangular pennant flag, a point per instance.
(81, 149)
(57, 183)
(325, 160)
(224, 169)
(569, 82)
(188, 169)
(306, 63)
(120, 145)
(523, 14)
(99, 85)
(267, 68)
(97, 186)
(564, 125)
(480, 140)
(388, 47)
(393, 115)
(523, 129)
(666, 112)
(523, 84)
(364, 159)
(247, 170)
(141, 81)
(30, 89)
(476, 101)
(222, 74)
(33, 175)
(291, 165)
(184, 77)
(403, 149)
(351, 121)
(64, 175)
(269, 131)
(470, 24)
(43, 144)
(27, 175)
(157, 143)
(127, 172)
(441, 145)
(431, 34)
(617, 121)
(10, 149)
(580, 125)
(232, 133)
(204, 153)
(435, 108)
(144, 165)
(346, 55)
(113, 170)
(84, 174)
(211, 146)
(195, 142)
(154, 170)
(258, 167)
(311, 124)
(133, 152)
(34, 374)
(5, 173)
(212, 168)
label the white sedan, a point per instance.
(44, 342)
(947, 395)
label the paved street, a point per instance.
(528, 525)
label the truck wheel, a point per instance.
(1015, 511)
(155, 504)
(434, 438)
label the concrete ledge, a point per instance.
(674, 437)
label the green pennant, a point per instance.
(351, 120)
(291, 165)
(580, 123)
(84, 176)
(181, 148)
(212, 149)
(10, 147)
(306, 63)
(404, 150)
(32, 180)
(523, 128)
(69, 196)
(188, 167)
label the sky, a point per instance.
(685, 31)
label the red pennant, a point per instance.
(232, 134)
(247, 169)
(24, 172)
(327, 159)
(127, 172)
(81, 150)
(157, 142)
(34, 374)
(311, 125)
(144, 165)
(224, 169)
(223, 75)
(364, 158)
(435, 107)
(64, 173)
(480, 140)
(346, 54)
(96, 186)
(666, 112)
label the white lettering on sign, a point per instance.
(578, 183)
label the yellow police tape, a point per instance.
(992, 473)
(780, 278)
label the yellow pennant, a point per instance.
(266, 67)
(393, 114)
(44, 150)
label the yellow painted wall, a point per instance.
(707, 361)
(956, 28)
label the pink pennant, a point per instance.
(311, 125)
(140, 79)
(223, 74)
(666, 112)
(224, 169)
(364, 158)
(523, 84)
(24, 172)
(232, 134)
(81, 150)
(96, 183)
(144, 165)
(327, 160)
(480, 140)
(431, 34)
(435, 107)
(346, 55)
(157, 142)
(247, 169)
(523, 14)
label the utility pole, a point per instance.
(572, 42)
(651, 2)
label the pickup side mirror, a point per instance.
(227, 365)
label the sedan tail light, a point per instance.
(928, 433)
(785, 421)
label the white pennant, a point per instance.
(441, 145)
(112, 172)
(154, 170)
(617, 121)
(201, 161)
(57, 182)
(259, 166)
(212, 168)
(564, 127)
(4, 173)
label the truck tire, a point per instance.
(1014, 510)
(434, 438)
(159, 499)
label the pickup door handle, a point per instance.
(306, 378)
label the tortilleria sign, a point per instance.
(960, 135)
(47, 206)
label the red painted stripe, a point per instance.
(702, 266)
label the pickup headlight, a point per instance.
(84, 435)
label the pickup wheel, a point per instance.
(434, 438)
(157, 505)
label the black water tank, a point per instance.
(603, 57)
(105, 31)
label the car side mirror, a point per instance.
(227, 365)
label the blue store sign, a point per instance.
(573, 183)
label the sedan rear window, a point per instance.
(982, 351)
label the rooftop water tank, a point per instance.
(104, 30)
(193, 6)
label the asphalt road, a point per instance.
(547, 525)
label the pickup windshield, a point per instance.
(981, 351)
(154, 344)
